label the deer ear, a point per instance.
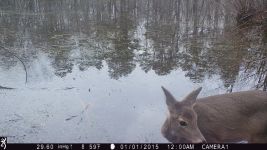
(170, 100)
(192, 97)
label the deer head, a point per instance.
(181, 124)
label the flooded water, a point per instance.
(92, 71)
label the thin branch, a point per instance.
(265, 83)
(24, 66)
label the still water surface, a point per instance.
(92, 71)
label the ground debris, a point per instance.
(71, 117)
(5, 88)
(80, 114)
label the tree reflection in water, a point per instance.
(203, 38)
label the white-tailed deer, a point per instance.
(225, 118)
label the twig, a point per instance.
(24, 66)
(74, 116)
(265, 84)
(5, 88)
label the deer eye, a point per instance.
(183, 123)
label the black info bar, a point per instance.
(130, 146)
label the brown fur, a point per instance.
(235, 117)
